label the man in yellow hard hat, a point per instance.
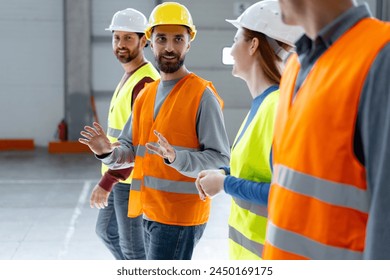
(176, 130)
(122, 235)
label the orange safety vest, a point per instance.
(319, 202)
(159, 191)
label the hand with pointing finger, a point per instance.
(96, 140)
(163, 148)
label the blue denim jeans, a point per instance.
(122, 235)
(168, 242)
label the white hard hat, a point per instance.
(128, 20)
(264, 17)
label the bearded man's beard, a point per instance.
(169, 66)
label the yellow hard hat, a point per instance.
(170, 13)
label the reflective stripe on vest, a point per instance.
(120, 105)
(244, 243)
(165, 195)
(141, 150)
(319, 200)
(300, 245)
(254, 208)
(136, 185)
(113, 133)
(330, 192)
(250, 160)
(170, 186)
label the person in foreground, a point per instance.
(176, 130)
(330, 193)
(261, 45)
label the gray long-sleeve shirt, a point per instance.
(210, 128)
(372, 134)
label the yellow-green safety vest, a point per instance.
(120, 106)
(250, 160)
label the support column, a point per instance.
(383, 10)
(77, 38)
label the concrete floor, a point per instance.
(45, 213)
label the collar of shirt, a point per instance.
(330, 33)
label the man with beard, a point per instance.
(122, 235)
(175, 131)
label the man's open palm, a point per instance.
(96, 140)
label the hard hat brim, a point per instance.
(124, 29)
(234, 22)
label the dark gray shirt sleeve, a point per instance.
(214, 144)
(374, 125)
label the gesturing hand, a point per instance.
(164, 149)
(96, 139)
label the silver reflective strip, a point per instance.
(327, 191)
(303, 246)
(250, 245)
(135, 185)
(256, 209)
(140, 151)
(170, 186)
(113, 132)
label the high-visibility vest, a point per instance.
(159, 191)
(319, 202)
(250, 160)
(120, 106)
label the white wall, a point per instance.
(31, 69)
